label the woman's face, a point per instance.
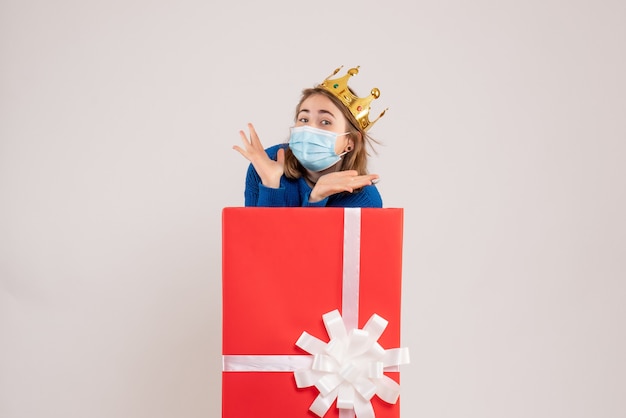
(318, 111)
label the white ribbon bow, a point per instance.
(349, 368)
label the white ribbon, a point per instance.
(265, 363)
(349, 368)
(351, 267)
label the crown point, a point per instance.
(375, 92)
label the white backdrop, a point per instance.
(504, 142)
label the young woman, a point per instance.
(324, 164)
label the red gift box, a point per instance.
(282, 270)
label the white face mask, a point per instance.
(314, 148)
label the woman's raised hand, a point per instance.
(269, 170)
(339, 181)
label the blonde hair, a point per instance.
(353, 160)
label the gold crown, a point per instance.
(358, 106)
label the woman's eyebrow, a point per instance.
(326, 112)
(321, 112)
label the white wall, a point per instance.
(504, 142)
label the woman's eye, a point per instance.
(325, 122)
(303, 120)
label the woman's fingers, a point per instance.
(250, 147)
(368, 178)
(280, 157)
(254, 138)
(352, 178)
(342, 181)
